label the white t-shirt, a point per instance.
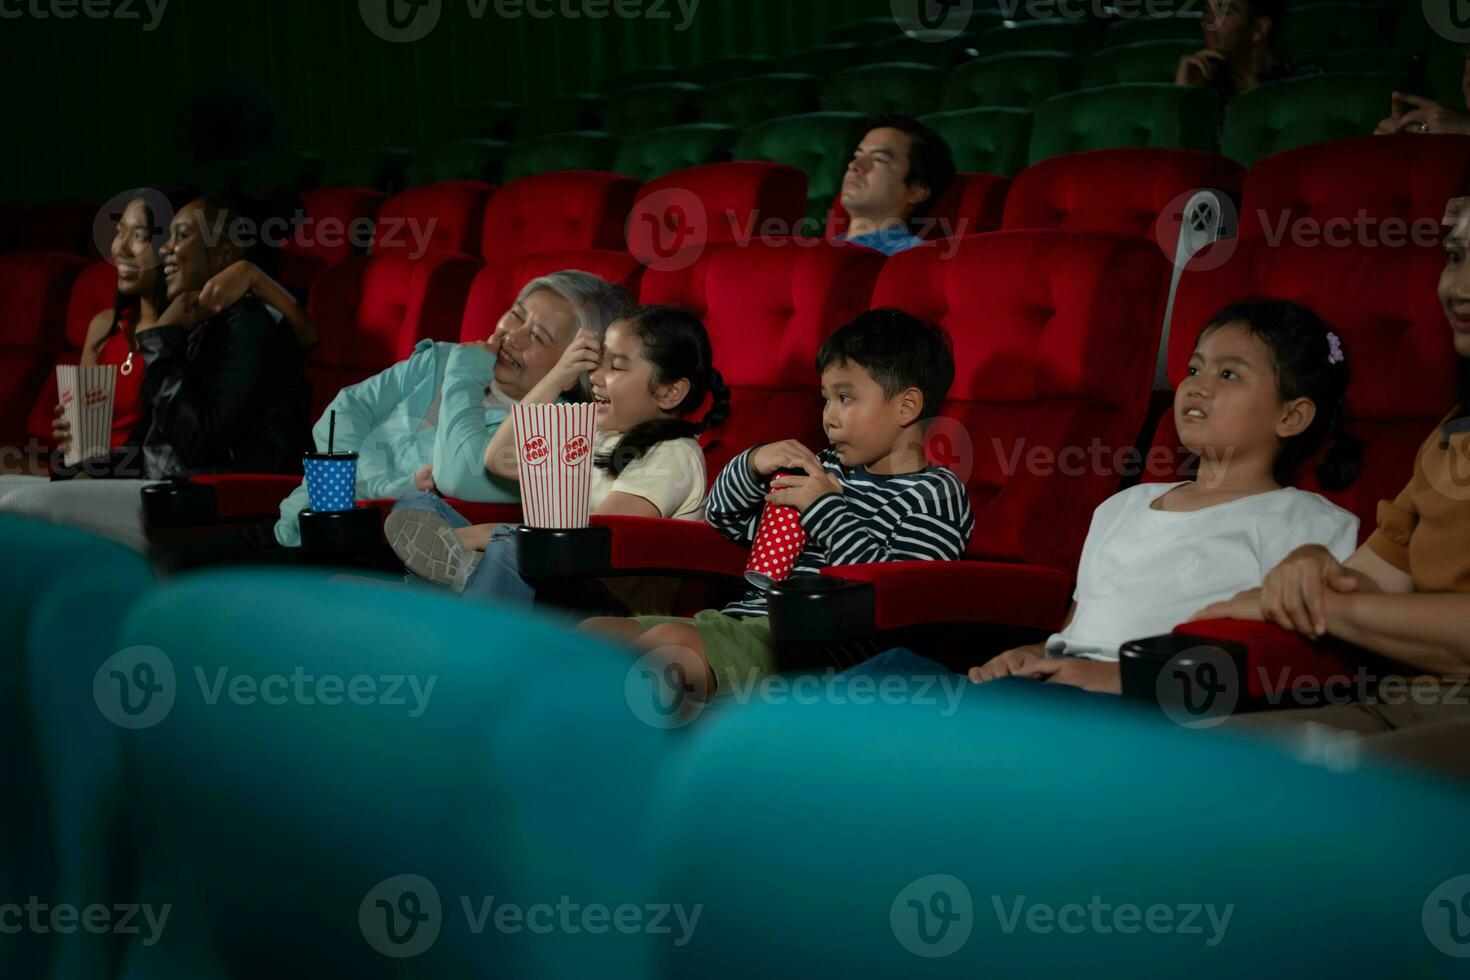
(1145, 571)
(670, 476)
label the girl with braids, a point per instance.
(647, 375)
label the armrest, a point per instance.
(911, 593)
(1277, 659)
(658, 544)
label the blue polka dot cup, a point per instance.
(331, 481)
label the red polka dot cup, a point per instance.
(779, 539)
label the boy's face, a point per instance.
(1229, 403)
(863, 426)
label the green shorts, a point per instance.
(737, 650)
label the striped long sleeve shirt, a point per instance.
(924, 515)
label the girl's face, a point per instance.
(1454, 284)
(133, 254)
(623, 385)
(1229, 405)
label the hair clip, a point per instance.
(1334, 348)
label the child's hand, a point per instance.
(1008, 663)
(424, 478)
(802, 491)
(1100, 676)
(1243, 605)
(582, 356)
(788, 454)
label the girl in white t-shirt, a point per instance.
(648, 372)
(1263, 396)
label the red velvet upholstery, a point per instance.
(569, 209)
(242, 496)
(448, 216)
(652, 544)
(1382, 303)
(94, 291)
(908, 593)
(972, 203)
(64, 227)
(330, 234)
(372, 310)
(735, 201)
(35, 288)
(1408, 177)
(1123, 190)
(768, 307)
(498, 283)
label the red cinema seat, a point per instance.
(497, 284)
(436, 219)
(717, 202)
(35, 289)
(339, 222)
(60, 228)
(1382, 302)
(973, 203)
(93, 292)
(1408, 178)
(568, 209)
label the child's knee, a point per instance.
(617, 627)
(680, 643)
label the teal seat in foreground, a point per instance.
(1126, 115)
(307, 764)
(63, 594)
(985, 141)
(1032, 832)
(1320, 109)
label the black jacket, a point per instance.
(227, 396)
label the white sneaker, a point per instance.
(428, 547)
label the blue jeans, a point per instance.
(898, 662)
(498, 576)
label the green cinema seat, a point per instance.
(1372, 59)
(378, 168)
(329, 737)
(985, 141)
(648, 75)
(657, 106)
(1147, 61)
(877, 89)
(480, 160)
(1319, 109)
(1017, 830)
(1324, 28)
(1015, 80)
(661, 151)
(1126, 115)
(746, 101)
(826, 60)
(290, 170)
(1076, 37)
(723, 70)
(941, 49)
(63, 596)
(869, 31)
(560, 151)
(579, 112)
(818, 143)
(1138, 30)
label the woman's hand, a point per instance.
(1428, 116)
(228, 287)
(60, 430)
(1008, 663)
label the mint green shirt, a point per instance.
(431, 408)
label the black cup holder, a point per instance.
(547, 553)
(1178, 669)
(820, 610)
(341, 532)
(178, 503)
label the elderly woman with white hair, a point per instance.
(424, 423)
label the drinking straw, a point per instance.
(331, 432)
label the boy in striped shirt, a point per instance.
(870, 496)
